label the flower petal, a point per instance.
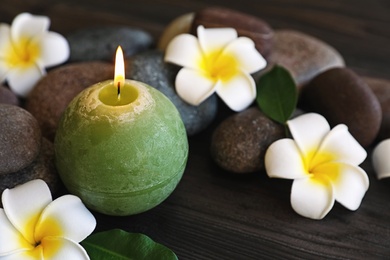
(243, 49)
(308, 131)
(350, 185)
(283, 160)
(24, 204)
(184, 50)
(213, 39)
(61, 248)
(380, 159)
(312, 198)
(55, 49)
(23, 79)
(238, 92)
(26, 25)
(5, 39)
(25, 255)
(4, 69)
(65, 217)
(5, 49)
(11, 240)
(193, 86)
(340, 146)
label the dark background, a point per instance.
(216, 215)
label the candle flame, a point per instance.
(119, 79)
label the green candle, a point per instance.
(121, 151)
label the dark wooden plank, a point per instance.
(216, 215)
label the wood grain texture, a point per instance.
(216, 215)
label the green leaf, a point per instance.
(277, 94)
(117, 244)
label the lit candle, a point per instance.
(121, 146)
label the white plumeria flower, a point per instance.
(32, 226)
(323, 164)
(26, 48)
(216, 61)
(380, 159)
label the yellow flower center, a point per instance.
(219, 66)
(23, 53)
(51, 227)
(47, 248)
(45, 239)
(321, 167)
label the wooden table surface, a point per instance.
(216, 215)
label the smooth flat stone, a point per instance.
(53, 93)
(100, 43)
(246, 25)
(150, 68)
(42, 168)
(8, 97)
(381, 89)
(20, 138)
(303, 55)
(216, 17)
(343, 97)
(239, 143)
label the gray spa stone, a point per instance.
(20, 138)
(101, 43)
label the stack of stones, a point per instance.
(24, 154)
(239, 142)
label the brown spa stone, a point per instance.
(54, 92)
(217, 17)
(246, 25)
(303, 55)
(239, 143)
(343, 97)
(42, 168)
(381, 88)
(8, 97)
(20, 138)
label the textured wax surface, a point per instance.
(121, 159)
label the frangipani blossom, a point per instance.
(380, 159)
(32, 226)
(26, 49)
(216, 61)
(323, 164)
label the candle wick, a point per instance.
(119, 90)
